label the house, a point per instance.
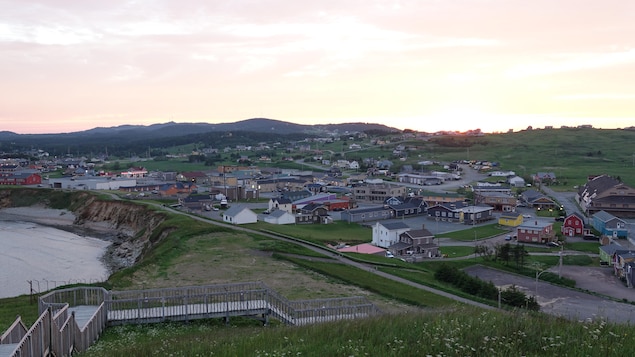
(197, 202)
(238, 214)
(178, 188)
(407, 206)
(280, 203)
(629, 274)
(546, 178)
(415, 242)
(377, 192)
(386, 234)
(320, 198)
(297, 195)
(477, 214)
(621, 261)
(447, 211)
(510, 219)
(516, 181)
(313, 213)
(536, 232)
(194, 176)
(609, 225)
(339, 204)
(573, 225)
(606, 252)
(501, 202)
(537, 200)
(134, 172)
(605, 193)
(25, 177)
(278, 216)
(435, 198)
(365, 214)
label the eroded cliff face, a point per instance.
(132, 228)
(136, 227)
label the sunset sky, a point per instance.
(429, 65)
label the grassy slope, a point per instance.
(451, 332)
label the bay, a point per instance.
(47, 257)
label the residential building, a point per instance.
(378, 192)
(605, 193)
(407, 206)
(415, 242)
(280, 203)
(237, 214)
(574, 225)
(386, 234)
(278, 216)
(606, 252)
(314, 213)
(501, 202)
(537, 231)
(510, 219)
(20, 178)
(367, 214)
(538, 200)
(609, 225)
(448, 211)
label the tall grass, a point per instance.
(455, 332)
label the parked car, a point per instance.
(590, 237)
(560, 219)
(508, 237)
(526, 216)
(553, 244)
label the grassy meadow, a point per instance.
(454, 331)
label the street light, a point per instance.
(538, 274)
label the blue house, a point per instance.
(609, 225)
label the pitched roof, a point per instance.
(604, 216)
(418, 233)
(597, 185)
(235, 210)
(394, 225)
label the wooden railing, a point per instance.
(57, 331)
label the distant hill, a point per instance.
(172, 133)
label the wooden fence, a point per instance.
(71, 320)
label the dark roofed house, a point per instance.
(538, 200)
(407, 206)
(605, 193)
(313, 213)
(416, 243)
(366, 214)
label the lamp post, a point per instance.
(538, 274)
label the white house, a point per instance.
(279, 217)
(502, 173)
(386, 234)
(237, 214)
(516, 181)
(280, 203)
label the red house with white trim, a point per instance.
(573, 225)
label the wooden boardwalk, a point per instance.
(73, 319)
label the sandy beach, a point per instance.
(38, 246)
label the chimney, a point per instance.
(423, 226)
(535, 223)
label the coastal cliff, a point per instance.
(131, 228)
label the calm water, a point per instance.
(46, 256)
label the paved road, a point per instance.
(560, 301)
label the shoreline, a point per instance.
(64, 220)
